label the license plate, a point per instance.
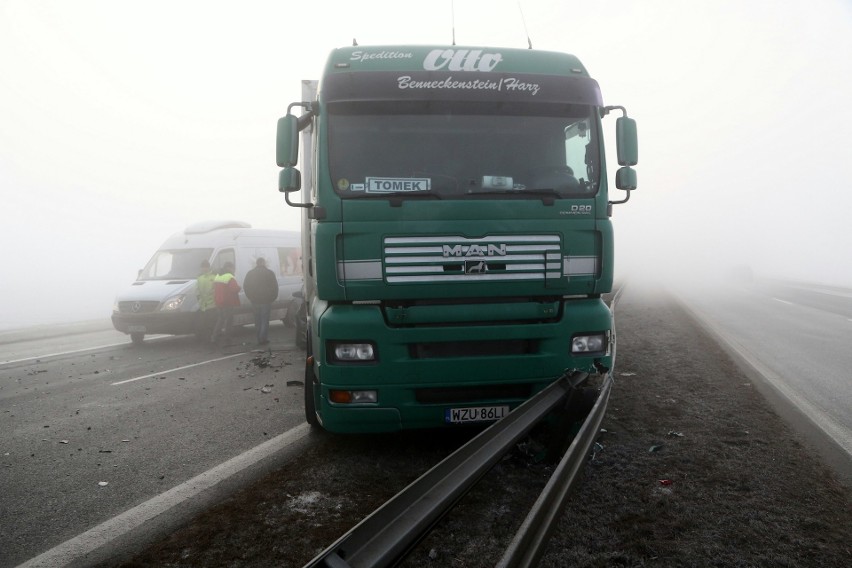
(136, 328)
(475, 414)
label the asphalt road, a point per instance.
(799, 337)
(80, 406)
(93, 426)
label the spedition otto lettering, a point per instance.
(369, 55)
(461, 60)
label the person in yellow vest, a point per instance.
(207, 313)
(226, 292)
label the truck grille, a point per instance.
(137, 307)
(460, 259)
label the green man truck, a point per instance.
(456, 231)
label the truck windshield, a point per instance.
(182, 264)
(453, 154)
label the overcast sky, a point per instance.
(122, 122)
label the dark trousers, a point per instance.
(223, 323)
(261, 321)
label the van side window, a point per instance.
(291, 261)
(223, 256)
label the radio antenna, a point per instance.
(453, 16)
(524, 20)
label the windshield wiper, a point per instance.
(547, 195)
(396, 197)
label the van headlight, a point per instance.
(173, 303)
(351, 352)
(589, 344)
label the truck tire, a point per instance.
(137, 338)
(310, 380)
(301, 332)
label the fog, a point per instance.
(121, 123)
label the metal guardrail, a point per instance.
(529, 543)
(389, 533)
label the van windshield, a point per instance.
(180, 264)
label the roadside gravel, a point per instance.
(693, 468)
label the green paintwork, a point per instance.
(367, 288)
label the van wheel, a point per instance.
(137, 338)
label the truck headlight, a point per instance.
(352, 352)
(172, 303)
(589, 343)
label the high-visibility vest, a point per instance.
(226, 290)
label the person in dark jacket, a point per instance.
(261, 288)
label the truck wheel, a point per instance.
(310, 404)
(301, 333)
(137, 338)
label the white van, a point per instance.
(163, 299)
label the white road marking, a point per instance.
(159, 373)
(58, 354)
(86, 543)
(35, 357)
(783, 301)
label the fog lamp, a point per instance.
(352, 397)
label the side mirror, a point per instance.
(289, 180)
(625, 178)
(627, 141)
(287, 142)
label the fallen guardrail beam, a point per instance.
(389, 533)
(529, 542)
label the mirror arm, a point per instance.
(305, 119)
(626, 198)
(291, 204)
(607, 109)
